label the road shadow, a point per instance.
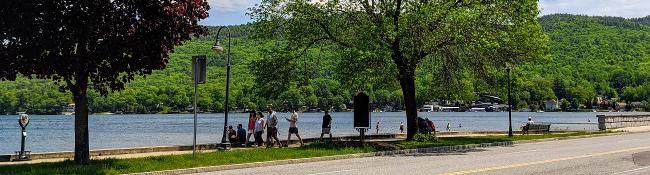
(641, 159)
(438, 153)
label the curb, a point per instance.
(443, 149)
(256, 164)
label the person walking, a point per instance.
(377, 128)
(293, 127)
(260, 124)
(401, 127)
(251, 126)
(271, 128)
(448, 126)
(327, 125)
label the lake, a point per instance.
(49, 133)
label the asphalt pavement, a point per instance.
(611, 155)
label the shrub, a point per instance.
(424, 137)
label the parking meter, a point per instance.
(23, 122)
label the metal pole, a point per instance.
(195, 110)
(22, 143)
(509, 106)
(363, 131)
(225, 124)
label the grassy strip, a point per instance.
(452, 141)
(158, 163)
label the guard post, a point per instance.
(23, 155)
(199, 64)
(361, 114)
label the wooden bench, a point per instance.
(536, 127)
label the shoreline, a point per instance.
(211, 146)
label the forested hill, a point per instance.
(590, 57)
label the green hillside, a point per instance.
(590, 57)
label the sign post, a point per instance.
(198, 76)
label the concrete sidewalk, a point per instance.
(633, 129)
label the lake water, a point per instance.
(49, 133)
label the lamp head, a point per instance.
(217, 47)
(507, 66)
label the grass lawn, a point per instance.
(452, 141)
(134, 165)
(157, 163)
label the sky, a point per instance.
(232, 12)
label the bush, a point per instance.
(424, 137)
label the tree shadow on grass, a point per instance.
(438, 153)
(99, 167)
(339, 145)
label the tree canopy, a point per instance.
(394, 37)
(101, 43)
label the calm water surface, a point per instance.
(48, 133)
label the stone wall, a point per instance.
(620, 121)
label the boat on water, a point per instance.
(477, 110)
(69, 110)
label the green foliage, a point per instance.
(424, 137)
(589, 57)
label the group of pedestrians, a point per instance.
(426, 126)
(258, 124)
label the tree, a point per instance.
(565, 105)
(393, 37)
(102, 44)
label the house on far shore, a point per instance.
(636, 104)
(620, 106)
(551, 105)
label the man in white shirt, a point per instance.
(293, 126)
(526, 126)
(271, 128)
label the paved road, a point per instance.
(621, 154)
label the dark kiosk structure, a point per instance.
(361, 113)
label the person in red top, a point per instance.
(251, 126)
(431, 125)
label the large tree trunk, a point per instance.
(407, 82)
(81, 141)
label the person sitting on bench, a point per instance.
(526, 126)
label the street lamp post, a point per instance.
(509, 102)
(217, 48)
